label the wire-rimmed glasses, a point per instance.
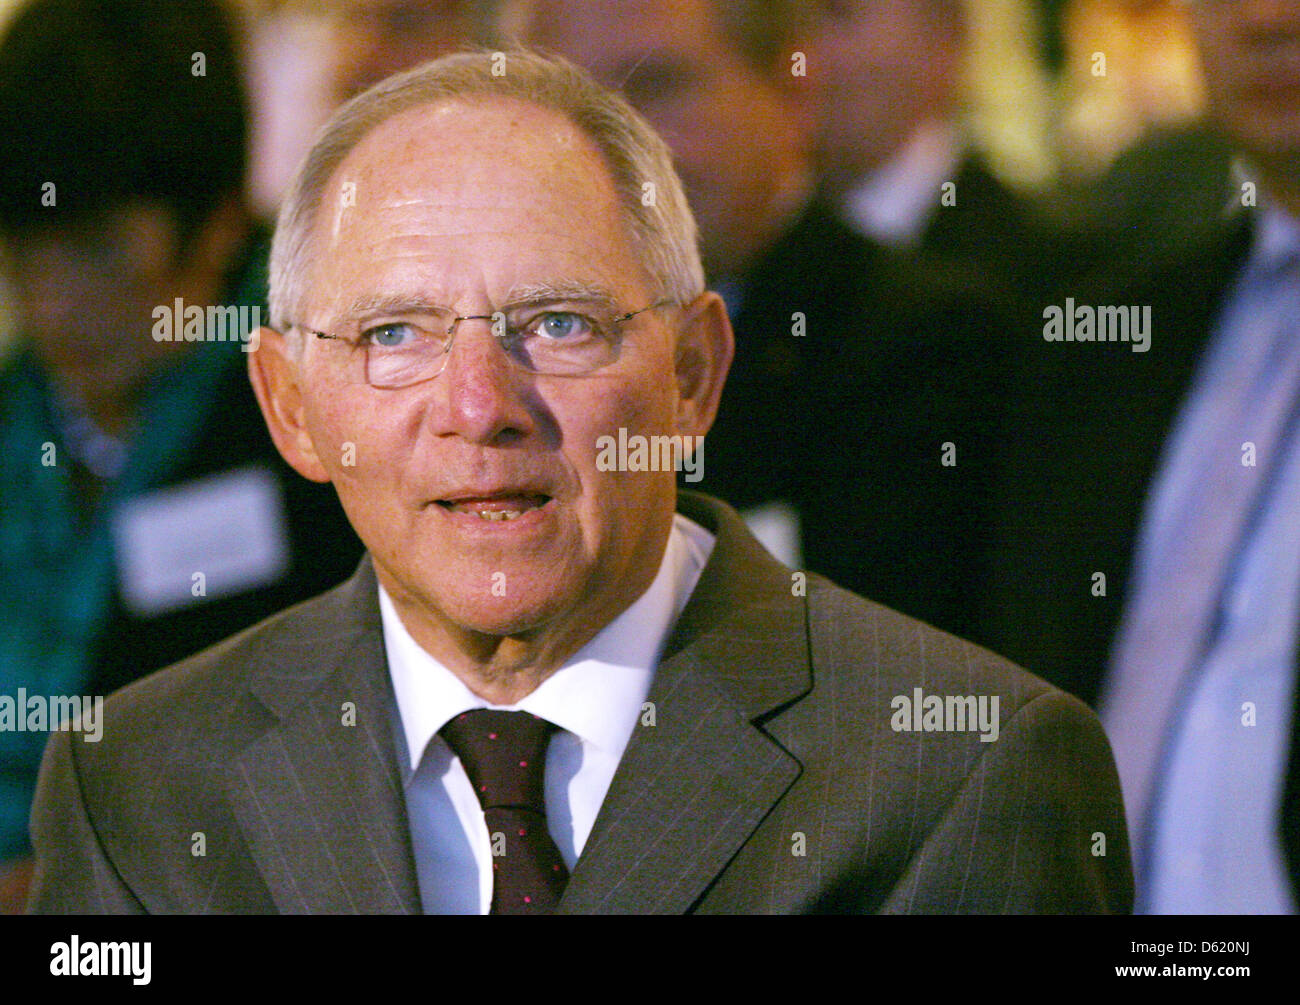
(551, 340)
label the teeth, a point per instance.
(505, 514)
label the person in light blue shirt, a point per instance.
(1200, 699)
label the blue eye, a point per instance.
(562, 325)
(389, 336)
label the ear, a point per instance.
(705, 346)
(276, 382)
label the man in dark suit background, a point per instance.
(554, 684)
(1157, 525)
(374, 39)
(144, 511)
(887, 83)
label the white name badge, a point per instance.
(196, 542)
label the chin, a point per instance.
(502, 616)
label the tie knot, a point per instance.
(504, 754)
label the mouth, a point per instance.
(498, 507)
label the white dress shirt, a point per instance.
(895, 203)
(596, 700)
(1215, 611)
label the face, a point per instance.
(86, 292)
(731, 131)
(467, 206)
(1250, 50)
(878, 69)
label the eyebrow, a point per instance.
(520, 295)
(558, 290)
(390, 303)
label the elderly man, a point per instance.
(554, 684)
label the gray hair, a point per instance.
(655, 211)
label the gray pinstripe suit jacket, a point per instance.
(771, 780)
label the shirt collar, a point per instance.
(597, 694)
(893, 205)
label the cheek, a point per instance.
(358, 443)
(629, 407)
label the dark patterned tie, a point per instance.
(504, 754)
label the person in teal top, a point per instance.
(144, 513)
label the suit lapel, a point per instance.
(694, 783)
(318, 796)
(320, 802)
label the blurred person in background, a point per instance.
(1200, 698)
(871, 373)
(144, 512)
(377, 38)
(707, 73)
(1155, 528)
(888, 88)
(1149, 171)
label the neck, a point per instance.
(504, 668)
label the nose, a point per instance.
(483, 398)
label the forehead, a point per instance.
(463, 190)
(447, 149)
